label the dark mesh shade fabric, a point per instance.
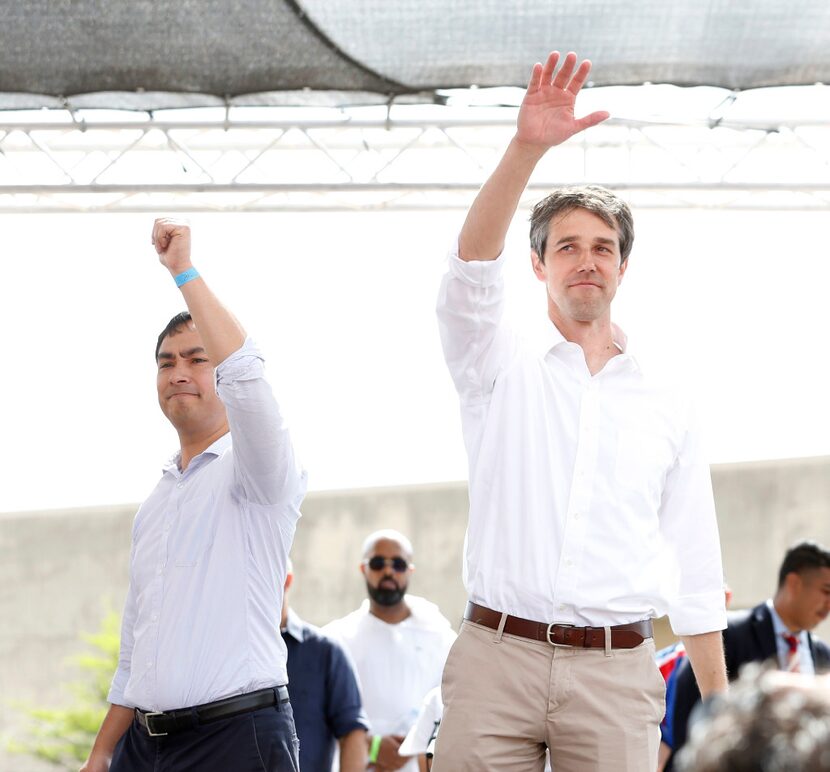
(230, 48)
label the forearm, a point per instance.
(115, 723)
(545, 119)
(482, 236)
(663, 755)
(705, 652)
(221, 333)
(353, 751)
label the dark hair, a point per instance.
(767, 721)
(611, 209)
(804, 556)
(173, 326)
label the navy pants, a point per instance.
(261, 741)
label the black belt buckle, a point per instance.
(149, 728)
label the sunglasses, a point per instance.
(378, 563)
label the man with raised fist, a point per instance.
(201, 680)
(591, 507)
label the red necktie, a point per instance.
(792, 654)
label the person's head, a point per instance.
(611, 209)
(768, 720)
(387, 566)
(185, 379)
(803, 596)
(580, 240)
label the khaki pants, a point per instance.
(508, 698)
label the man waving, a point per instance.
(591, 507)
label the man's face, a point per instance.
(582, 266)
(384, 584)
(810, 598)
(185, 384)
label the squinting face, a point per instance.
(185, 383)
(582, 267)
(811, 604)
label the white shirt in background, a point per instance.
(396, 664)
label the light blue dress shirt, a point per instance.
(208, 560)
(805, 657)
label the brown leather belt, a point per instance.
(622, 636)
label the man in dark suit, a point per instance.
(778, 629)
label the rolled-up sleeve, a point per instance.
(470, 308)
(690, 529)
(264, 456)
(344, 708)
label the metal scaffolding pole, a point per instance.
(294, 161)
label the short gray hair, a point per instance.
(605, 204)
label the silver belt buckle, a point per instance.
(147, 717)
(554, 643)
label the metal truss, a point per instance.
(399, 159)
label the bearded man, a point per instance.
(398, 643)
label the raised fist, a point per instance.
(171, 238)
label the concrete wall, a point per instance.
(61, 570)
(762, 509)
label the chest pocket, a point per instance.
(193, 531)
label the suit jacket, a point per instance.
(748, 637)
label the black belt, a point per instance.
(158, 724)
(622, 636)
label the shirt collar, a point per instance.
(550, 337)
(216, 448)
(781, 629)
(294, 626)
(366, 609)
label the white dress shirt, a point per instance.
(590, 499)
(208, 560)
(397, 664)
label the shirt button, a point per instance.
(167, 526)
(154, 617)
(569, 562)
(562, 607)
(180, 485)
(577, 515)
(158, 569)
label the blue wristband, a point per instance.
(183, 278)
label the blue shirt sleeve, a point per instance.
(666, 729)
(344, 706)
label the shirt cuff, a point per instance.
(347, 725)
(476, 273)
(116, 692)
(698, 614)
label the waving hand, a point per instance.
(546, 117)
